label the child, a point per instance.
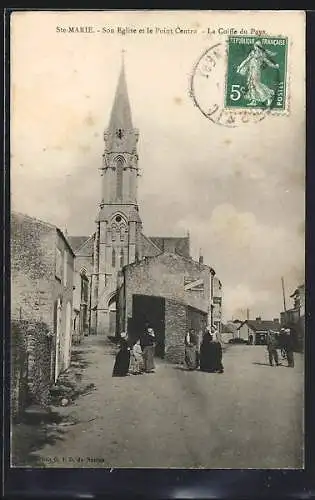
(136, 360)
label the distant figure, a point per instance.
(122, 360)
(191, 350)
(282, 343)
(289, 347)
(148, 347)
(250, 339)
(272, 344)
(136, 360)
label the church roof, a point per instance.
(77, 241)
(179, 245)
(121, 112)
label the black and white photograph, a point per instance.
(157, 239)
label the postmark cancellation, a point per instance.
(242, 80)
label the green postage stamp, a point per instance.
(256, 73)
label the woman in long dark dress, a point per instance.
(122, 361)
(207, 353)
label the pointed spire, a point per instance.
(121, 113)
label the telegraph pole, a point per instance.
(283, 292)
(284, 302)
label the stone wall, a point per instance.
(163, 276)
(31, 362)
(175, 329)
(19, 389)
(32, 269)
(196, 320)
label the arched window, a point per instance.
(121, 258)
(119, 178)
(113, 258)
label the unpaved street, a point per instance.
(248, 417)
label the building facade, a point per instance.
(83, 266)
(42, 266)
(170, 292)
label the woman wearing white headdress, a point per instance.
(122, 360)
(252, 68)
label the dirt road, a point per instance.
(248, 417)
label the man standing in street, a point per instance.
(289, 347)
(272, 345)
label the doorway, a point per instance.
(149, 309)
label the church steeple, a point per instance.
(120, 159)
(121, 113)
(118, 235)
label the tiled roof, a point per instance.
(178, 245)
(262, 325)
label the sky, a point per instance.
(238, 191)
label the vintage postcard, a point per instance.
(157, 239)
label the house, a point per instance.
(83, 249)
(257, 329)
(172, 293)
(42, 265)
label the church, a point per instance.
(134, 278)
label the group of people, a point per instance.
(135, 357)
(282, 341)
(208, 358)
(138, 357)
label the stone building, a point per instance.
(127, 263)
(169, 291)
(42, 264)
(83, 249)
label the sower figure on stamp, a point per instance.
(252, 67)
(272, 345)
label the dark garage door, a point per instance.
(146, 308)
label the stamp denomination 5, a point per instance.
(241, 81)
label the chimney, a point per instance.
(258, 318)
(200, 256)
